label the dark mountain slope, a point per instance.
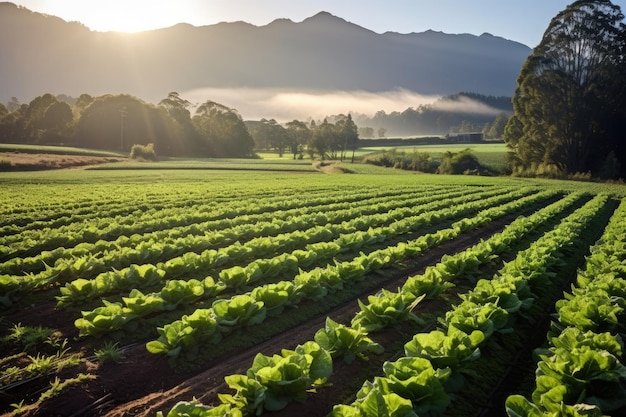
(46, 54)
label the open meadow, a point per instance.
(234, 287)
(492, 155)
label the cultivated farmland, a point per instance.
(298, 293)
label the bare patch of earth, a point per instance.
(17, 161)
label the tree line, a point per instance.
(570, 102)
(325, 139)
(117, 122)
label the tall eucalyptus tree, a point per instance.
(567, 90)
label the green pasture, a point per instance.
(489, 154)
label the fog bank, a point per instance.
(286, 105)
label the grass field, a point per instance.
(489, 154)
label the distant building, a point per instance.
(473, 137)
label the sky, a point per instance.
(521, 21)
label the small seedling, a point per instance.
(18, 408)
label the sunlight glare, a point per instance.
(127, 16)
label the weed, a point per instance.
(40, 364)
(109, 352)
(68, 362)
(60, 346)
(57, 343)
(57, 386)
(29, 337)
(10, 375)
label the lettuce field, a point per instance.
(247, 293)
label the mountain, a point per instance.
(42, 53)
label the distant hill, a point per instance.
(43, 53)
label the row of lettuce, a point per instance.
(178, 245)
(34, 208)
(582, 371)
(103, 225)
(268, 297)
(434, 364)
(305, 245)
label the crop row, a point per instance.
(322, 243)
(255, 392)
(107, 228)
(19, 213)
(310, 285)
(145, 250)
(101, 216)
(583, 369)
(85, 258)
(315, 284)
(435, 364)
(382, 310)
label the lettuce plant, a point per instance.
(274, 296)
(518, 406)
(416, 379)
(373, 402)
(309, 286)
(594, 310)
(505, 293)
(195, 409)
(140, 276)
(588, 376)
(384, 309)
(177, 292)
(272, 382)
(452, 350)
(141, 304)
(103, 320)
(186, 335)
(345, 342)
(238, 311)
(249, 394)
(487, 318)
(80, 290)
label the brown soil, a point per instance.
(16, 161)
(145, 383)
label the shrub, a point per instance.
(415, 161)
(143, 152)
(459, 163)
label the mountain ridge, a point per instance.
(44, 53)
